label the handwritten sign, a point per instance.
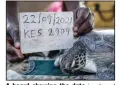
(45, 31)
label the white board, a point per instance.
(45, 31)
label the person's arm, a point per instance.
(13, 44)
(83, 18)
(12, 22)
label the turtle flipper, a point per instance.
(74, 59)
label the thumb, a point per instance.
(15, 37)
(17, 45)
(13, 31)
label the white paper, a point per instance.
(45, 31)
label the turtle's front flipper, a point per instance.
(73, 60)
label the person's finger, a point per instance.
(18, 53)
(75, 29)
(14, 33)
(12, 58)
(75, 34)
(13, 53)
(9, 47)
(15, 37)
(88, 25)
(82, 15)
(17, 45)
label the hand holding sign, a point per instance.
(45, 31)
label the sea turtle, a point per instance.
(77, 58)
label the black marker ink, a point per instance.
(44, 19)
(40, 32)
(49, 17)
(25, 19)
(62, 20)
(26, 33)
(39, 17)
(33, 18)
(54, 19)
(32, 32)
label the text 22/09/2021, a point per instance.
(46, 24)
(50, 19)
